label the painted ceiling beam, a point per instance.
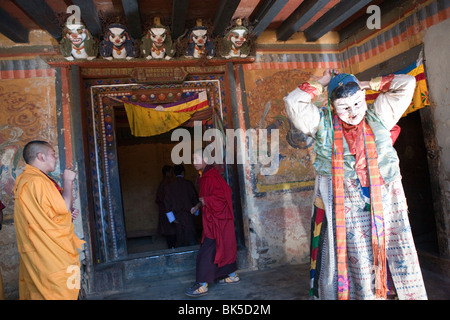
(90, 17)
(12, 28)
(179, 13)
(264, 14)
(43, 15)
(131, 9)
(223, 15)
(302, 15)
(334, 17)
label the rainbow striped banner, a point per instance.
(420, 98)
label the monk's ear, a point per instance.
(40, 156)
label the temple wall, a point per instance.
(437, 52)
(279, 205)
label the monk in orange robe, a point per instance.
(47, 244)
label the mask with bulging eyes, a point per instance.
(351, 109)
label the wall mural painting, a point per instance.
(296, 172)
(27, 113)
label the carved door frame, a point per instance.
(109, 241)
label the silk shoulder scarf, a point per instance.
(376, 207)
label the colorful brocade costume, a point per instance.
(361, 241)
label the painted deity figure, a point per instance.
(157, 43)
(200, 43)
(235, 42)
(361, 241)
(77, 43)
(117, 43)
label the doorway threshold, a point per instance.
(163, 252)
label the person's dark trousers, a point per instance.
(207, 271)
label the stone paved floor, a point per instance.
(288, 282)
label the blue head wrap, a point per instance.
(339, 81)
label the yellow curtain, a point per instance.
(145, 122)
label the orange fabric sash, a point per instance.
(378, 236)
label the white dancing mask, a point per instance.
(351, 109)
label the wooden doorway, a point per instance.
(413, 155)
(116, 222)
(140, 172)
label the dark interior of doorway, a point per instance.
(412, 153)
(140, 170)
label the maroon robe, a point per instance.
(217, 215)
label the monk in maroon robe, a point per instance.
(217, 255)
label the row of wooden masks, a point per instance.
(157, 43)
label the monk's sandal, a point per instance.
(197, 290)
(230, 280)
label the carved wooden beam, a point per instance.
(264, 14)
(223, 15)
(43, 15)
(116, 67)
(89, 15)
(334, 17)
(131, 9)
(179, 12)
(303, 14)
(12, 28)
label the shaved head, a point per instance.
(31, 150)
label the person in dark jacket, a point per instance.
(165, 228)
(180, 197)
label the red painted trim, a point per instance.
(26, 74)
(66, 117)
